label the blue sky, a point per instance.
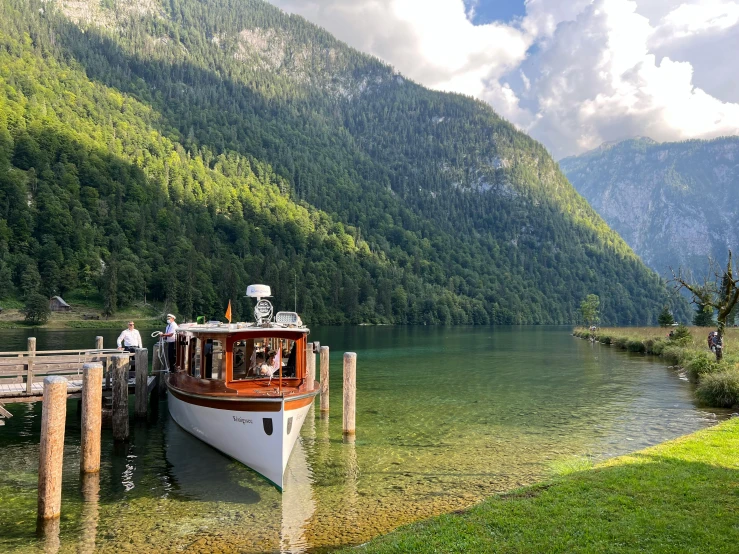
(486, 11)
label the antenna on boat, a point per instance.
(263, 309)
(295, 274)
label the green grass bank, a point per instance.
(717, 383)
(86, 313)
(680, 496)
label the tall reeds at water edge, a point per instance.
(718, 382)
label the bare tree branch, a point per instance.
(720, 292)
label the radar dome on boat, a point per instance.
(258, 291)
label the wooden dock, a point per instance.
(16, 392)
(22, 373)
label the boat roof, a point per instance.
(212, 327)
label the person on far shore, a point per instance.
(130, 339)
(170, 334)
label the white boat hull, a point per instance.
(243, 435)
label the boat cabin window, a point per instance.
(205, 359)
(258, 358)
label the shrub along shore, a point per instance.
(717, 382)
(680, 496)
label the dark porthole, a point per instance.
(267, 422)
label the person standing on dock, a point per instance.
(170, 335)
(130, 339)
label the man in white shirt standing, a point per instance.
(170, 334)
(129, 339)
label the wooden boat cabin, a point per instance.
(244, 356)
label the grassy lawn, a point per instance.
(14, 319)
(681, 496)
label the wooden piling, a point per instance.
(51, 452)
(142, 386)
(92, 406)
(324, 380)
(106, 369)
(29, 370)
(120, 396)
(350, 396)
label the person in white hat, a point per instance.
(170, 334)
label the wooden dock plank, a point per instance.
(17, 391)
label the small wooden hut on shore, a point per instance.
(57, 304)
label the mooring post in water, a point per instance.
(142, 386)
(310, 363)
(51, 452)
(350, 396)
(92, 407)
(324, 380)
(106, 365)
(29, 368)
(120, 396)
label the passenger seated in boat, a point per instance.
(268, 367)
(256, 365)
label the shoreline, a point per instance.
(717, 382)
(141, 323)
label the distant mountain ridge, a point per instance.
(197, 147)
(675, 204)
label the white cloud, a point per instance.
(599, 80)
(688, 20)
(598, 70)
(431, 41)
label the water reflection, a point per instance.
(298, 505)
(351, 477)
(48, 530)
(212, 477)
(202, 473)
(90, 485)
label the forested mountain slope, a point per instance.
(675, 204)
(184, 149)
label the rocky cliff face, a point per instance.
(675, 204)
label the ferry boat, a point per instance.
(242, 387)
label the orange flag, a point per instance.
(228, 312)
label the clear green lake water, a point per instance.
(445, 417)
